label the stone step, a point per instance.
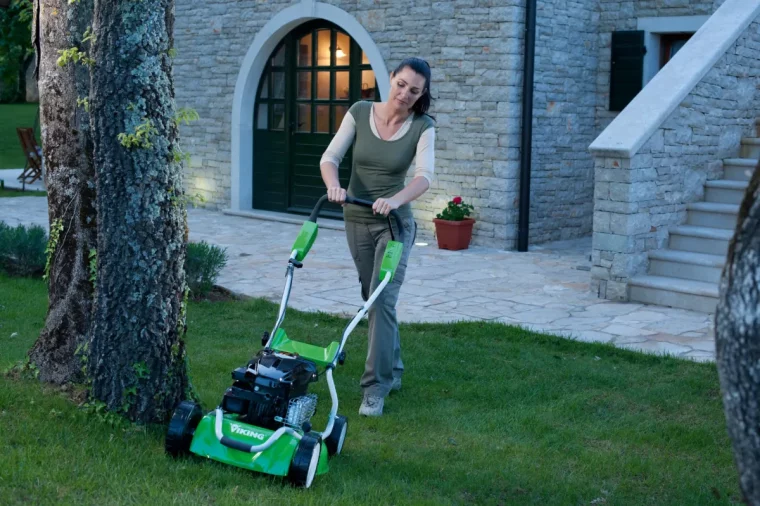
(674, 292)
(725, 191)
(738, 169)
(712, 241)
(710, 214)
(750, 147)
(686, 265)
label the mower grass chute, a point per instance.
(264, 420)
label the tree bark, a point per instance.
(737, 341)
(70, 183)
(137, 355)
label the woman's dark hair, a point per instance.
(422, 68)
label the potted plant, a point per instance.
(453, 228)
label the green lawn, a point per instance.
(11, 117)
(488, 414)
(12, 192)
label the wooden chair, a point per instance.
(33, 154)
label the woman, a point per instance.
(388, 136)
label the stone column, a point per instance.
(623, 232)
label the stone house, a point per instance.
(638, 107)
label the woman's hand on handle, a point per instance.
(412, 191)
(336, 194)
(385, 206)
(330, 177)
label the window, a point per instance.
(670, 43)
(662, 31)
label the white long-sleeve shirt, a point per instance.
(424, 159)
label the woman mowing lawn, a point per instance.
(388, 136)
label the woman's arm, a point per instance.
(328, 165)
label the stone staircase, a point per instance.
(687, 273)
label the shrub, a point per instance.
(202, 267)
(22, 250)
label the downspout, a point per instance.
(526, 141)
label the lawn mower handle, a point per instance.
(363, 203)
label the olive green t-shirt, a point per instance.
(379, 167)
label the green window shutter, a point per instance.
(627, 70)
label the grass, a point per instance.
(488, 414)
(11, 117)
(11, 192)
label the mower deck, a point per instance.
(274, 460)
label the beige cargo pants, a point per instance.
(367, 244)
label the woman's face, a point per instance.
(406, 87)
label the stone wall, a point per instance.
(637, 199)
(211, 39)
(617, 15)
(475, 51)
(562, 177)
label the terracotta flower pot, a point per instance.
(453, 235)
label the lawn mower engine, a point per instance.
(271, 391)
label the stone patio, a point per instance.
(546, 289)
(10, 180)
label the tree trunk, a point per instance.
(137, 355)
(71, 196)
(737, 341)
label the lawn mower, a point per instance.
(263, 422)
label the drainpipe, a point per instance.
(526, 141)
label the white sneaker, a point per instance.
(372, 406)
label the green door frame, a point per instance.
(287, 63)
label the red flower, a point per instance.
(457, 200)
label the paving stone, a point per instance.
(639, 316)
(542, 315)
(610, 309)
(677, 326)
(626, 331)
(619, 340)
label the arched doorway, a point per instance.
(310, 80)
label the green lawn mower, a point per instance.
(264, 420)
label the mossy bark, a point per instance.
(737, 341)
(70, 179)
(137, 354)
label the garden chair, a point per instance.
(34, 167)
